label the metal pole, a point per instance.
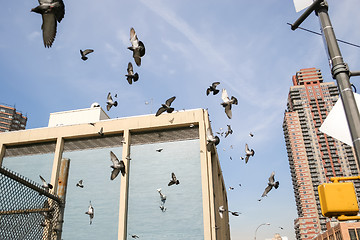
(259, 227)
(341, 73)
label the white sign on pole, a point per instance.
(335, 124)
(302, 4)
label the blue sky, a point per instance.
(247, 46)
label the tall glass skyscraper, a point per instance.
(152, 149)
(313, 156)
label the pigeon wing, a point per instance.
(109, 98)
(59, 11)
(87, 51)
(267, 190)
(130, 69)
(272, 178)
(114, 173)
(141, 49)
(228, 111)
(49, 29)
(160, 111)
(43, 180)
(224, 95)
(208, 91)
(136, 56)
(170, 100)
(114, 159)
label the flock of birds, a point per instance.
(52, 12)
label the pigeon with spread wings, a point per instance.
(248, 153)
(173, 180)
(166, 107)
(271, 184)
(211, 139)
(110, 102)
(118, 166)
(212, 89)
(131, 76)
(137, 47)
(84, 53)
(52, 11)
(227, 103)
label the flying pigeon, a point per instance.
(52, 11)
(231, 188)
(137, 47)
(166, 107)
(229, 131)
(271, 184)
(101, 132)
(84, 53)
(118, 166)
(211, 139)
(221, 211)
(159, 149)
(235, 213)
(110, 102)
(251, 134)
(134, 235)
(131, 76)
(162, 196)
(45, 185)
(90, 212)
(173, 180)
(227, 103)
(80, 184)
(248, 153)
(212, 89)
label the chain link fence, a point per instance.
(27, 211)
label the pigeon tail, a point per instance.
(115, 103)
(276, 184)
(216, 91)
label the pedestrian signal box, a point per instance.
(337, 199)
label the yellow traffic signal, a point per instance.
(338, 199)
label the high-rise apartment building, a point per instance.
(129, 206)
(10, 119)
(313, 156)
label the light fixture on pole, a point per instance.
(259, 227)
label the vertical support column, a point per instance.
(56, 163)
(61, 192)
(207, 193)
(124, 187)
(2, 153)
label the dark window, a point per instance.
(352, 234)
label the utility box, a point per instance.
(338, 199)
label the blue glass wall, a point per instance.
(31, 166)
(151, 170)
(93, 167)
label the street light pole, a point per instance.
(259, 227)
(339, 70)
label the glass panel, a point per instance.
(93, 167)
(31, 166)
(352, 234)
(151, 170)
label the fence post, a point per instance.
(61, 192)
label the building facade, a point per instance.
(313, 156)
(152, 148)
(10, 119)
(340, 231)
